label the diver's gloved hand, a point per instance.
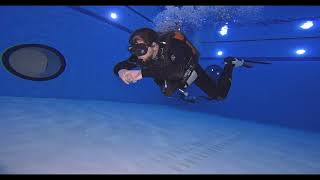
(122, 74)
(130, 76)
(135, 75)
(232, 60)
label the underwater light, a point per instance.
(300, 51)
(224, 30)
(307, 25)
(113, 15)
(219, 53)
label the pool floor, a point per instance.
(61, 136)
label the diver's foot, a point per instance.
(234, 61)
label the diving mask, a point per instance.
(138, 49)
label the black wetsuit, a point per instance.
(169, 66)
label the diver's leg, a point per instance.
(225, 80)
(205, 83)
(215, 90)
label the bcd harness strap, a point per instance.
(190, 74)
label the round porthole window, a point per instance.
(35, 62)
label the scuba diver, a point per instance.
(172, 61)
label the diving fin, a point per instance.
(250, 63)
(239, 62)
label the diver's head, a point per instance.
(144, 43)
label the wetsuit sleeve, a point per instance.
(150, 73)
(128, 64)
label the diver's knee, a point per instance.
(218, 98)
(221, 98)
(167, 93)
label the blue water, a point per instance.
(92, 122)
